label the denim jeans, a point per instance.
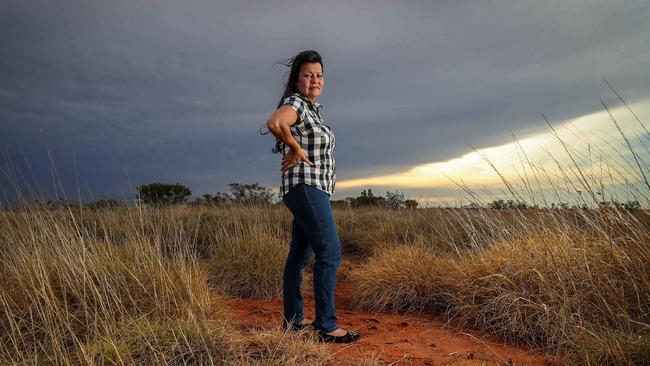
(313, 231)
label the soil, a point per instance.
(395, 339)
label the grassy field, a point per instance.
(144, 285)
(125, 286)
(571, 282)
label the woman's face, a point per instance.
(310, 80)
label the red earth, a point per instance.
(396, 339)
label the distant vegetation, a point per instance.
(256, 194)
(245, 194)
(393, 200)
(161, 193)
(628, 206)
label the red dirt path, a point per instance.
(397, 339)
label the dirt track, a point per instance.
(398, 339)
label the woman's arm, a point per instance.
(279, 123)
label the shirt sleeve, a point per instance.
(298, 105)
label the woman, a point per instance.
(308, 180)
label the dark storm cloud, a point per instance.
(176, 91)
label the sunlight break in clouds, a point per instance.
(593, 140)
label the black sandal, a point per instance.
(349, 337)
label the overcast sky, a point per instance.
(143, 91)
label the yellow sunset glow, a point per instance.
(586, 134)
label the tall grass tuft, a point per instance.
(249, 266)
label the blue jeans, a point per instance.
(313, 230)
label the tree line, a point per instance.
(256, 194)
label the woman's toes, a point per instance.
(338, 332)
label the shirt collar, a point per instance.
(316, 105)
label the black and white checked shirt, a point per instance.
(317, 140)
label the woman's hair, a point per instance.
(295, 63)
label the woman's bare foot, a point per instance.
(338, 332)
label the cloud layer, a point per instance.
(169, 91)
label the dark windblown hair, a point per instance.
(294, 63)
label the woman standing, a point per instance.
(308, 181)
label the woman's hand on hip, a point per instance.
(293, 157)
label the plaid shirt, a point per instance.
(317, 140)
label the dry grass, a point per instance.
(121, 286)
(249, 267)
(559, 286)
(131, 285)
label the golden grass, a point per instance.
(122, 287)
(554, 283)
(132, 285)
(249, 267)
